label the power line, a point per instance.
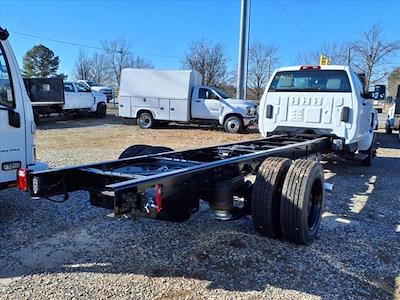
(293, 20)
(86, 46)
(57, 41)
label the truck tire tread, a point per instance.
(266, 196)
(371, 152)
(296, 194)
(101, 110)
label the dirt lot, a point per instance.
(72, 250)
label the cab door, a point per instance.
(82, 97)
(12, 125)
(206, 105)
(70, 101)
(85, 96)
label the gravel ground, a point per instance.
(73, 250)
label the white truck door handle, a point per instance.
(172, 108)
(197, 101)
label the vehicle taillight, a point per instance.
(310, 68)
(158, 198)
(23, 179)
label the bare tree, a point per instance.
(83, 66)
(101, 71)
(118, 53)
(120, 56)
(394, 82)
(139, 62)
(262, 61)
(209, 60)
(371, 52)
(334, 51)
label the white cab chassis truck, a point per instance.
(17, 127)
(53, 95)
(150, 95)
(163, 184)
(324, 101)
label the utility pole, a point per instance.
(269, 67)
(241, 75)
(348, 56)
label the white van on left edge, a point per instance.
(17, 127)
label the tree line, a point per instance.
(370, 54)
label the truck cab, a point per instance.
(79, 97)
(214, 104)
(323, 100)
(17, 126)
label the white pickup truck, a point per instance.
(322, 100)
(150, 95)
(79, 97)
(109, 92)
(52, 95)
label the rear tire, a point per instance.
(266, 196)
(371, 152)
(101, 110)
(145, 120)
(302, 201)
(233, 124)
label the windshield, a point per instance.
(221, 93)
(311, 81)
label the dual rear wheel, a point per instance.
(288, 198)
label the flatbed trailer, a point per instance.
(285, 201)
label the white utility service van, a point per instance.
(323, 100)
(17, 127)
(150, 95)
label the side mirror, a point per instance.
(216, 97)
(14, 119)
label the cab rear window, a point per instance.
(311, 81)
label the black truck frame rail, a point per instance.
(169, 185)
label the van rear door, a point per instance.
(311, 99)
